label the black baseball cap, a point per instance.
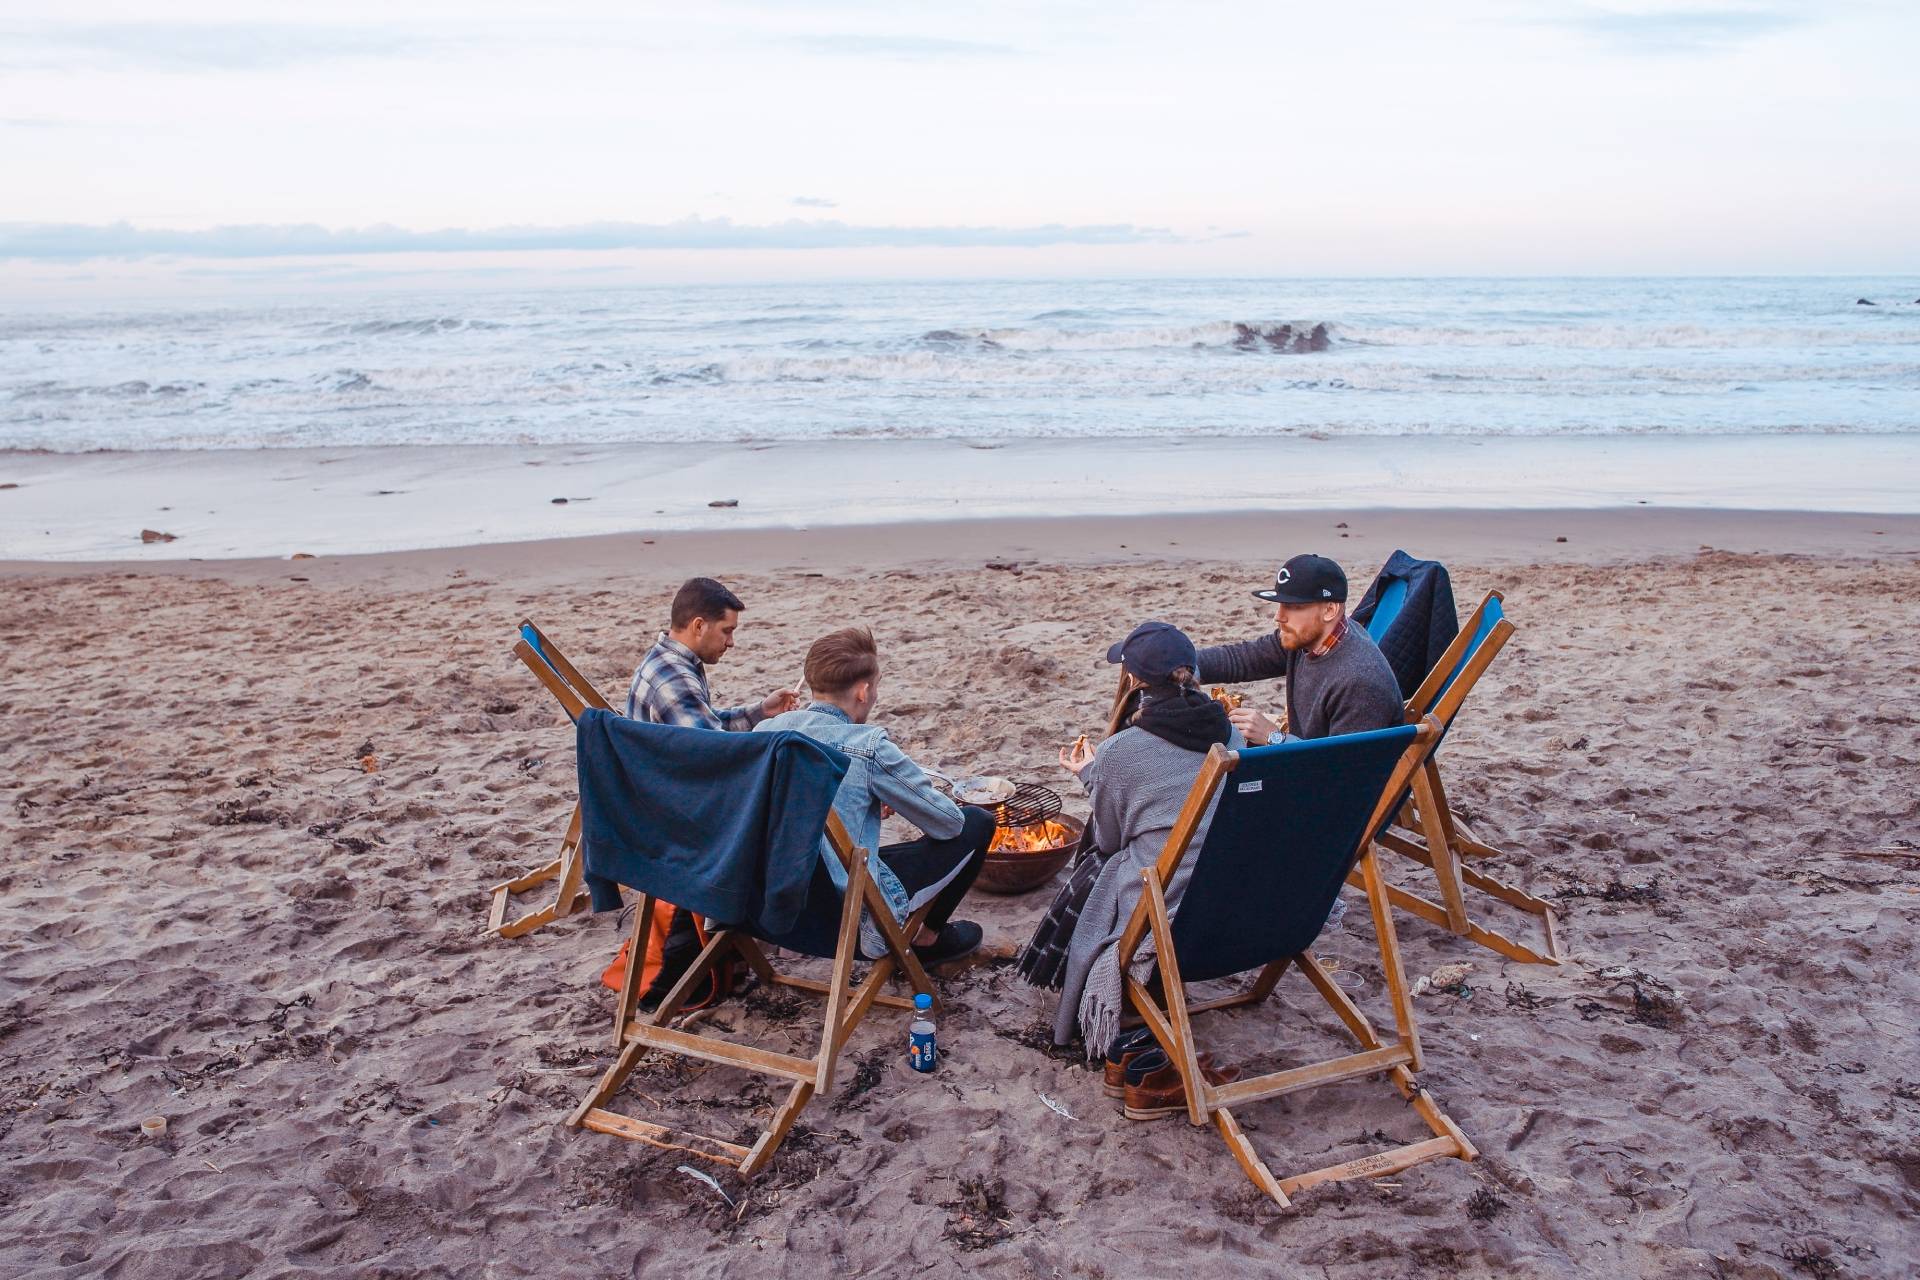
(1307, 579)
(1153, 651)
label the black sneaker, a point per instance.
(958, 939)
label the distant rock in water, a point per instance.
(154, 535)
(950, 338)
(1864, 302)
(1284, 337)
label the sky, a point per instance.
(202, 146)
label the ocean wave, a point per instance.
(134, 389)
(1239, 335)
(1627, 337)
(186, 434)
(407, 328)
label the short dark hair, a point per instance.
(839, 661)
(702, 598)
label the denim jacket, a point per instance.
(881, 774)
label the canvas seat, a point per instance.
(1292, 820)
(574, 693)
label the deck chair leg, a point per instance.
(842, 974)
(776, 1131)
(1182, 1050)
(1249, 1160)
(627, 1000)
(610, 1082)
(1343, 1006)
(749, 951)
(570, 898)
(1389, 941)
(1478, 934)
(1429, 801)
(703, 964)
(900, 940)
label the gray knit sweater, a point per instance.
(1349, 690)
(1138, 783)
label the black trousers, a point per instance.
(941, 871)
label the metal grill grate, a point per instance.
(1030, 803)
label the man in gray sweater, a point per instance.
(1337, 679)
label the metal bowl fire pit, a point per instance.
(1031, 843)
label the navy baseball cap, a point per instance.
(1307, 579)
(1153, 651)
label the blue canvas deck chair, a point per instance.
(575, 693)
(1428, 831)
(829, 928)
(1292, 820)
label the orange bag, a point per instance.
(675, 938)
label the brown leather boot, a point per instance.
(1115, 1083)
(1161, 1093)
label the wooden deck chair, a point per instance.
(1125, 703)
(829, 927)
(1292, 820)
(575, 693)
(1426, 830)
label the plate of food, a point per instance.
(983, 791)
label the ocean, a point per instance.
(987, 361)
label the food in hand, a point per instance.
(1231, 701)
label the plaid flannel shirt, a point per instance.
(670, 687)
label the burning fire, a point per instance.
(1035, 837)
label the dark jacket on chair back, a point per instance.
(725, 824)
(1425, 625)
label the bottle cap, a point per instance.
(922, 1002)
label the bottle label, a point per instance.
(922, 1053)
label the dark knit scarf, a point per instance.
(1183, 716)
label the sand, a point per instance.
(214, 913)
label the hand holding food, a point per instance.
(776, 703)
(1255, 726)
(1076, 757)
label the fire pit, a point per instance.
(1031, 843)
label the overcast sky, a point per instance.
(146, 145)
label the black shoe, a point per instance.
(957, 939)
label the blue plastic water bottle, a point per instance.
(922, 1053)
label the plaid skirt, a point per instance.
(1044, 960)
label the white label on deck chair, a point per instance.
(1252, 786)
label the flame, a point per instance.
(1035, 837)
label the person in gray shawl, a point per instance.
(1137, 780)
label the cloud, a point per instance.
(815, 202)
(202, 46)
(71, 242)
(1679, 31)
(906, 48)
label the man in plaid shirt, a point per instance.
(670, 686)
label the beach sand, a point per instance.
(214, 913)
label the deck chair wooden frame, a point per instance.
(1122, 702)
(575, 694)
(1397, 1057)
(1428, 831)
(635, 1035)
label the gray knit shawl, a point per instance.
(1137, 783)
